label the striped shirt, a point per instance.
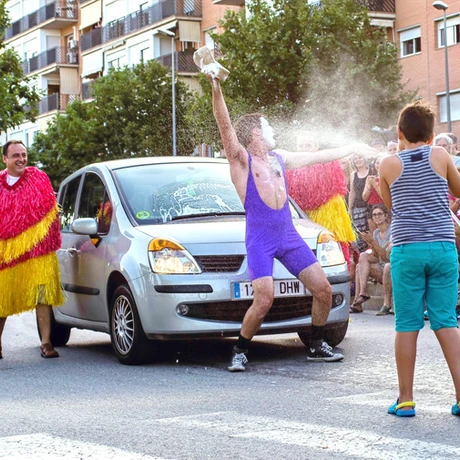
(420, 206)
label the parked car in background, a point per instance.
(153, 249)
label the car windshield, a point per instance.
(157, 193)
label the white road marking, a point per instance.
(42, 446)
(353, 443)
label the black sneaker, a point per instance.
(238, 360)
(323, 352)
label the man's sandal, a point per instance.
(47, 351)
(361, 299)
(456, 409)
(398, 409)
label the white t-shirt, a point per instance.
(11, 179)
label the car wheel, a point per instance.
(129, 341)
(333, 334)
(60, 334)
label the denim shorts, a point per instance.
(424, 276)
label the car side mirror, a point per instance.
(87, 226)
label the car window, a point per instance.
(67, 199)
(162, 192)
(95, 203)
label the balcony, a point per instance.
(54, 102)
(139, 19)
(183, 64)
(57, 55)
(379, 6)
(55, 15)
(86, 90)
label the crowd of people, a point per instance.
(371, 261)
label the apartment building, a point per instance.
(67, 44)
(420, 38)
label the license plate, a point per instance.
(283, 288)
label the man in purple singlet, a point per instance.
(258, 174)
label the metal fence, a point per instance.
(183, 62)
(57, 55)
(55, 101)
(139, 19)
(58, 9)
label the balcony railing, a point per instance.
(55, 101)
(183, 63)
(57, 55)
(59, 9)
(139, 19)
(382, 6)
(86, 90)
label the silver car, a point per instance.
(153, 248)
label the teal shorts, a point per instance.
(424, 276)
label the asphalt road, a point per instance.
(85, 405)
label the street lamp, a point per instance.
(173, 85)
(443, 6)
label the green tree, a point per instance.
(130, 115)
(18, 96)
(318, 67)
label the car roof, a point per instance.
(139, 161)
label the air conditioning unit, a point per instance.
(73, 44)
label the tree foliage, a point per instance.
(318, 67)
(130, 115)
(17, 95)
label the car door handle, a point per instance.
(72, 251)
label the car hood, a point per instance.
(219, 231)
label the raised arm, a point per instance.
(234, 151)
(294, 160)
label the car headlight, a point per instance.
(169, 257)
(329, 251)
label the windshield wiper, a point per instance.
(209, 214)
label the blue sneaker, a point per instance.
(456, 409)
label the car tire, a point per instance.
(333, 334)
(129, 341)
(60, 334)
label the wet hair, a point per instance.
(245, 125)
(6, 146)
(416, 122)
(446, 137)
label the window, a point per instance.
(453, 31)
(67, 199)
(454, 107)
(94, 202)
(410, 41)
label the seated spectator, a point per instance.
(387, 308)
(371, 262)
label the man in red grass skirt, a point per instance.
(319, 190)
(29, 239)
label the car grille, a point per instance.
(234, 311)
(230, 263)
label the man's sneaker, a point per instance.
(238, 360)
(392, 311)
(323, 352)
(384, 311)
(456, 409)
